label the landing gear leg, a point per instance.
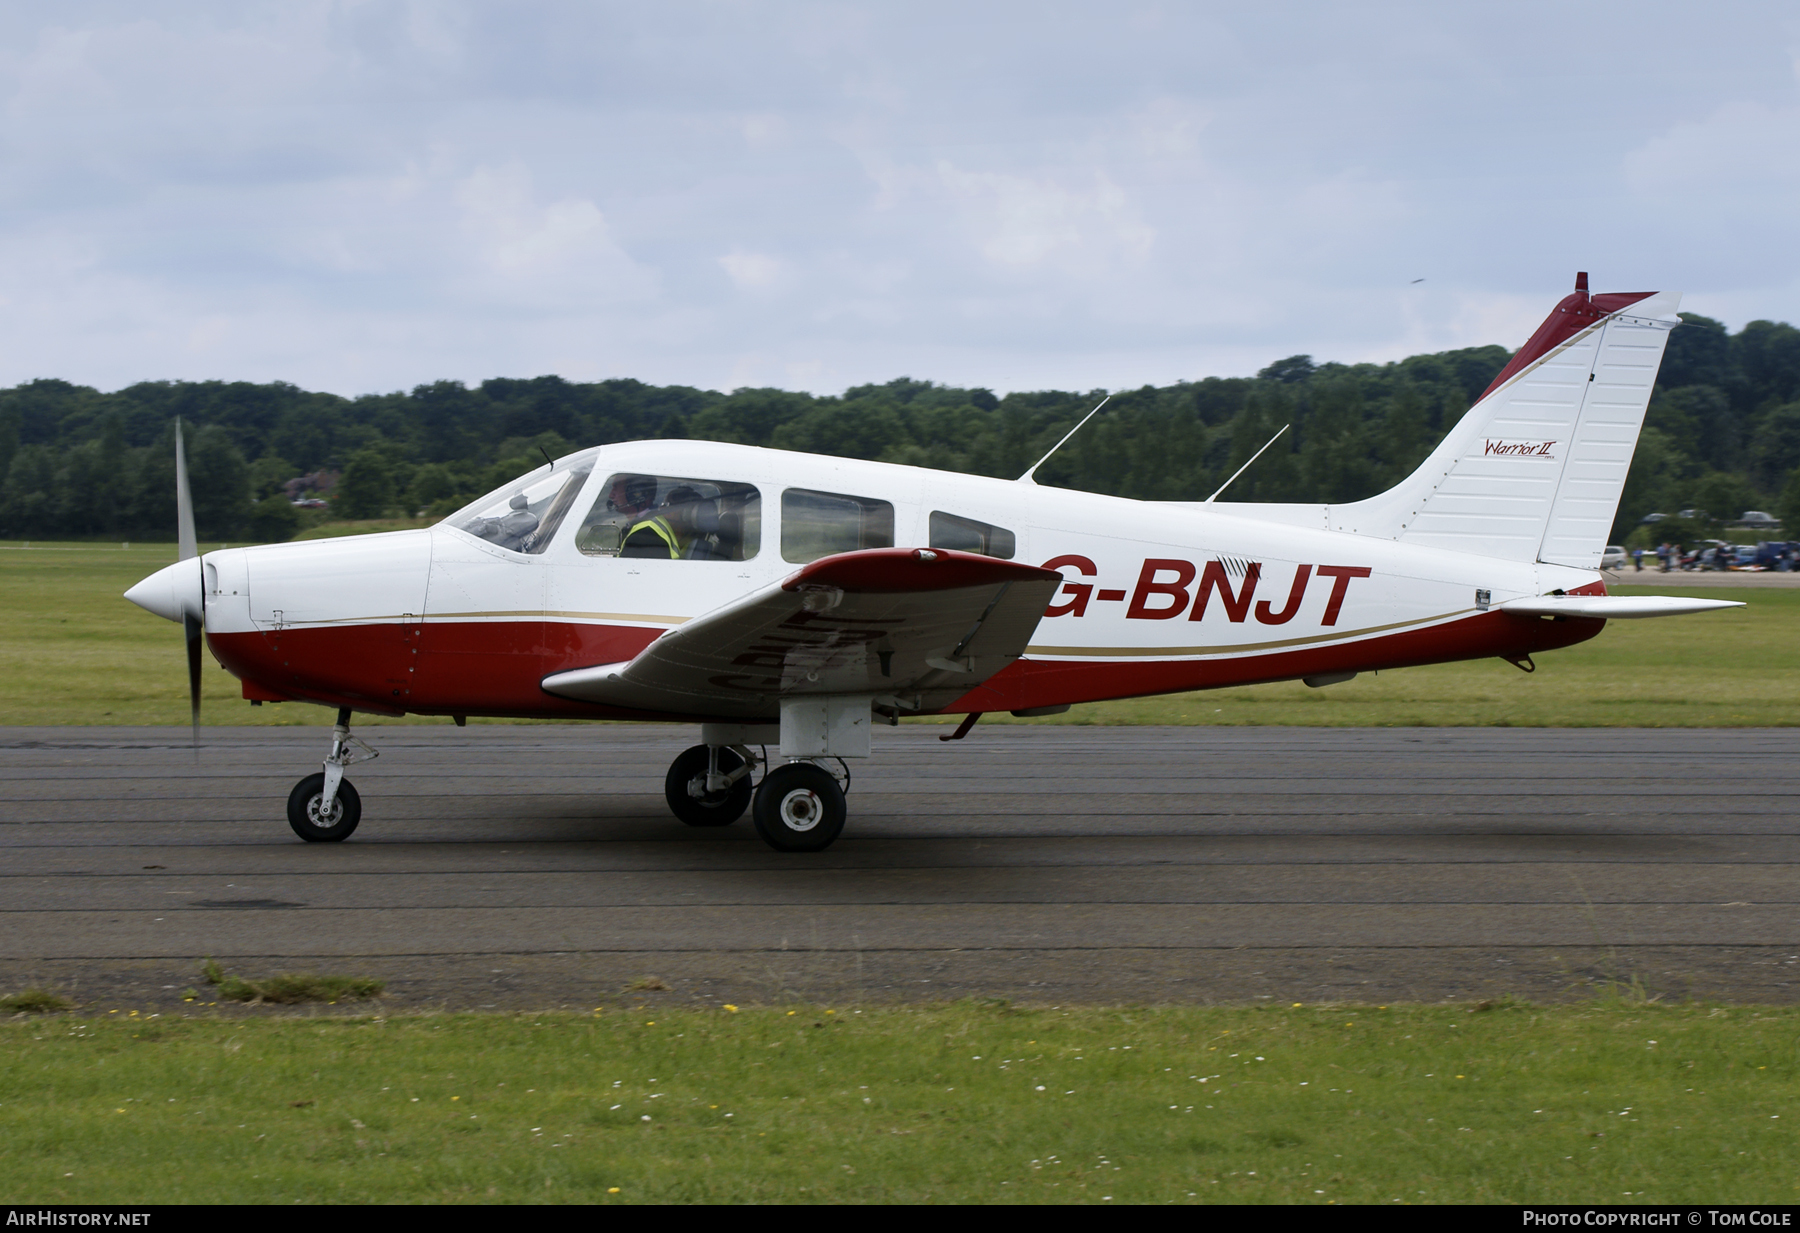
(325, 808)
(709, 785)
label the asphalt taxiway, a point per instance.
(536, 866)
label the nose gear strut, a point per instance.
(325, 808)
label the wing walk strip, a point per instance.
(1089, 652)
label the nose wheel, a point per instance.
(799, 808)
(318, 822)
(325, 808)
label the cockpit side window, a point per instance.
(818, 524)
(970, 535)
(524, 517)
(668, 518)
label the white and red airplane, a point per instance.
(792, 600)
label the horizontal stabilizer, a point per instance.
(922, 626)
(1615, 607)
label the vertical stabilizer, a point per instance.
(1535, 470)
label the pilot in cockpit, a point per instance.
(684, 526)
(666, 532)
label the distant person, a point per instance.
(1637, 559)
(1662, 555)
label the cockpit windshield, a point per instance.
(523, 516)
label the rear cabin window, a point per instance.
(968, 535)
(818, 524)
(670, 518)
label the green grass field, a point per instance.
(1606, 1103)
(74, 652)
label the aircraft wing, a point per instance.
(1614, 607)
(918, 626)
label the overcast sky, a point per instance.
(367, 196)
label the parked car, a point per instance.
(1695, 556)
(1615, 557)
(1757, 518)
(1651, 519)
(1769, 553)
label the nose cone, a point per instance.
(170, 591)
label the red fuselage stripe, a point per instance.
(493, 668)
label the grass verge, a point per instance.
(366, 526)
(291, 987)
(1607, 1102)
(35, 1002)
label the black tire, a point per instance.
(714, 808)
(799, 808)
(303, 804)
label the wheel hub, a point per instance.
(801, 809)
(316, 815)
(696, 790)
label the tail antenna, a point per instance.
(1259, 453)
(1026, 478)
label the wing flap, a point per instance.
(924, 626)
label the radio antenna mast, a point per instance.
(1259, 453)
(1026, 478)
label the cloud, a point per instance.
(1743, 150)
(1021, 221)
(369, 195)
(752, 271)
(559, 252)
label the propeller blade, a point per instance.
(193, 620)
(190, 625)
(184, 504)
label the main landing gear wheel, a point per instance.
(799, 808)
(720, 808)
(311, 822)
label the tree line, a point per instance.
(1722, 436)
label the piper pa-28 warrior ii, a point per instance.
(788, 600)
